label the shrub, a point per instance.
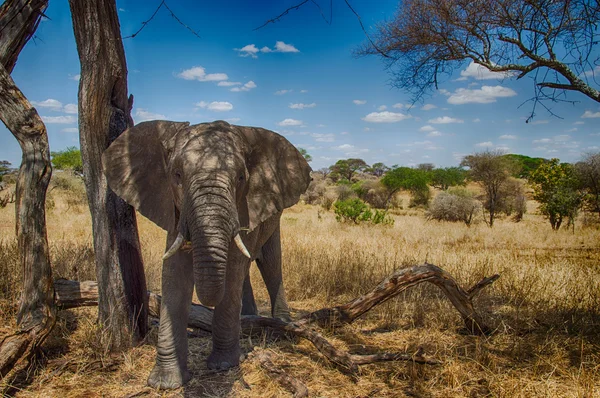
(420, 197)
(328, 199)
(357, 211)
(454, 205)
(315, 192)
(344, 192)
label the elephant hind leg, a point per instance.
(269, 264)
(248, 303)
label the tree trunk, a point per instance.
(37, 313)
(104, 113)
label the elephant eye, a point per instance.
(178, 177)
(241, 178)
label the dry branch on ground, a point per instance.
(70, 294)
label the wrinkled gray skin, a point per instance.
(209, 182)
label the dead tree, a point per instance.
(72, 294)
(18, 21)
(104, 113)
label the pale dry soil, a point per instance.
(545, 309)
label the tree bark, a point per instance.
(104, 113)
(18, 21)
(37, 313)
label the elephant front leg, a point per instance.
(170, 370)
(226, 319)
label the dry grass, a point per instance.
(546, 308)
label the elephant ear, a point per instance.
(135, 165)
(279, 174)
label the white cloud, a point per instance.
(246, 87)
(540, 122)
(359, 102)
(428, 107)
(70, 108)
(485, 144)
(323, 137)
(344, 147)
(304, 91)
(281, 92)
(75, 77)
(199, 73)
(344, 133)
(302, 106)
(143, 115)
(562, 138)
(476, 120)
(479, 72)
(593, 72)
(248, 50)
(290, 122)
(50, 103)
(398, 105)
(580, 122)
(285, 48)
(572, 130)
(590, 114)
(483, 95)
(59, 119)
(217, 106)
(434, 134)
(382, 108)
(427, 128)
(385, 117)
(445, 120)
(508, 137)
(234, 120)
(225, 83)
(70, 130)
(542, 141)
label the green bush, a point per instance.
(357, 211)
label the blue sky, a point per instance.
(297, 77)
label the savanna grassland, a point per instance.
(545, 309)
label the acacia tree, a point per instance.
(413, 180)
(346, 168)
(104, 113)
(444, 178)
(551, 41)
(37, 312)
(377, 169)
(492, 171)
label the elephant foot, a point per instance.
(218, 360)
(283, 317)
(168, 378)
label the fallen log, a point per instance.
(70, 294)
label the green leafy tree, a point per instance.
(444, 178)
(346, 168)
(492, 171)
(4, 168)
(413, 180)
(69, 159)
(524, 165)
(305, 153)
(377, 169)
(588, 172)
(555, 186)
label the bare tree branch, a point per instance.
(175, 17)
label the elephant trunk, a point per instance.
(212, 225)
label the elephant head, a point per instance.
(206, 182)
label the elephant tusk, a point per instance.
(240, 245)
(174, 247)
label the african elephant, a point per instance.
(222, 188)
